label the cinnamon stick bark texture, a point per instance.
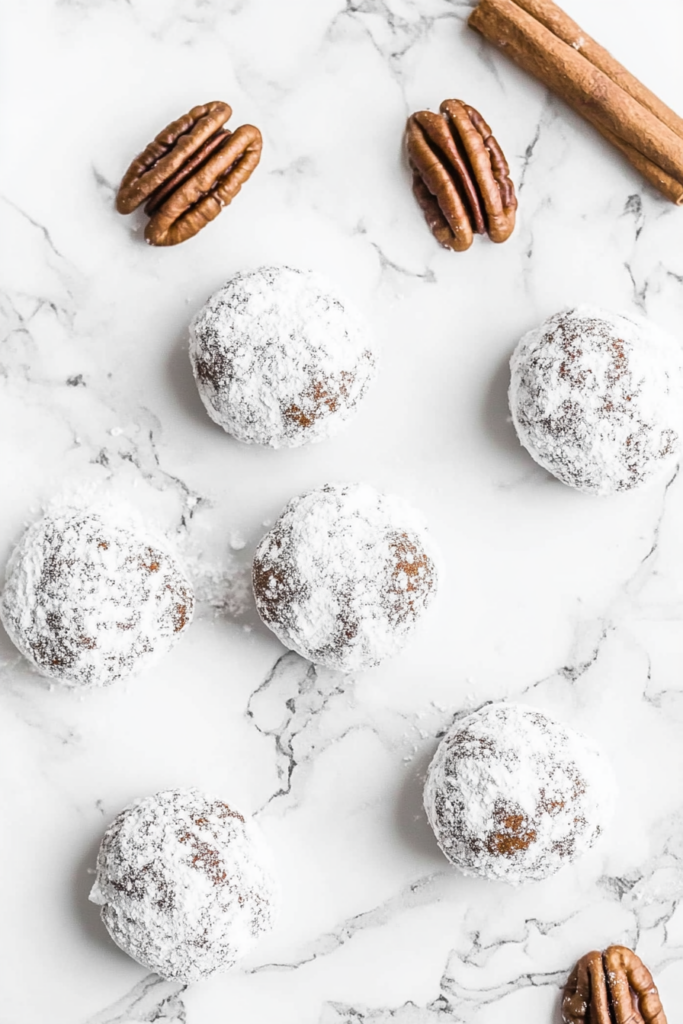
(542, 39)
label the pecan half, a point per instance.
(614, 987)
(191, 170)
(461, 178)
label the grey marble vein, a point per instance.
(153, 1001)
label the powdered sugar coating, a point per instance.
(279, 359)
(344, 575)
(513, 795)
(596, 399)
(185, 884)
(89, 600)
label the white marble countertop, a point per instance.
(572, 603)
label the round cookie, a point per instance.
(279, 359)
(596, 399)
(184, 884)
(513, 795)
(344, 575)
(89, 600)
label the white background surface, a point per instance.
(572, 603)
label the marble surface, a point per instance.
(573, 604)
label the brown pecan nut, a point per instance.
(191, 170)
(614, 987)
(461, 178)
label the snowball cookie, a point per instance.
(513, 795)
(279, 359)
(90, 598)
(184, 883)
(596, 399)
(344, 575)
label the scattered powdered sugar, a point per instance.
(91, 596)
(237, 541)
(513, 795)
(279, 359)
(185, 884)
(596, 399)
(220, 583)
(344, 575)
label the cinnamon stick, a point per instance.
(565, 28)
(663, 182)
(543, 40)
